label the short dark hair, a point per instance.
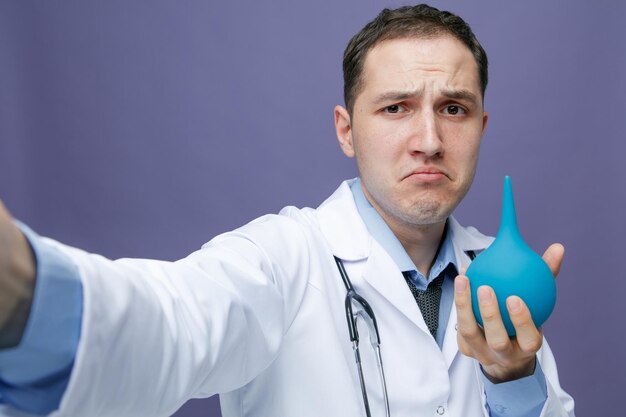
(421, 21)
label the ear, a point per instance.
(485, 117)
(343, 129)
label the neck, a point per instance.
(420, 241)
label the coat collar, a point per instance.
(342, 225)
(350, 240)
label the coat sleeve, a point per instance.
(156, 334)
(559, 403)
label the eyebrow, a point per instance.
(404, 95)
(396, 96)
(461, 95)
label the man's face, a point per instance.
(415, 128)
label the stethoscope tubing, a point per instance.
(367, 315)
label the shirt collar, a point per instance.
(385, 237)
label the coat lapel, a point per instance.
(450, 346)
(382, 274)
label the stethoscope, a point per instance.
(365, 313)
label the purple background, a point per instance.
(137, 128)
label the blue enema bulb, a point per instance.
(510, 267)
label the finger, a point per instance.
(527, 335)
(4, 213)
(466, 323)
(495, 332)
(553, 256)
(465, 347)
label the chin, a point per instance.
(427, 213)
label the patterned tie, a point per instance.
(428, 300)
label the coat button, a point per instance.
(441, 410)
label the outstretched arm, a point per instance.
(17, 281)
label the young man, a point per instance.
(259, 314)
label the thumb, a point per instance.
(553, 256)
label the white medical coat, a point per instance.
(258, 316)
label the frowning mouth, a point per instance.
(426, 175)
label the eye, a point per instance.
(454, 110)
(394, 109)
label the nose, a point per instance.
(425, 135)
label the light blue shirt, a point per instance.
(35, 374)
(524, 397)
